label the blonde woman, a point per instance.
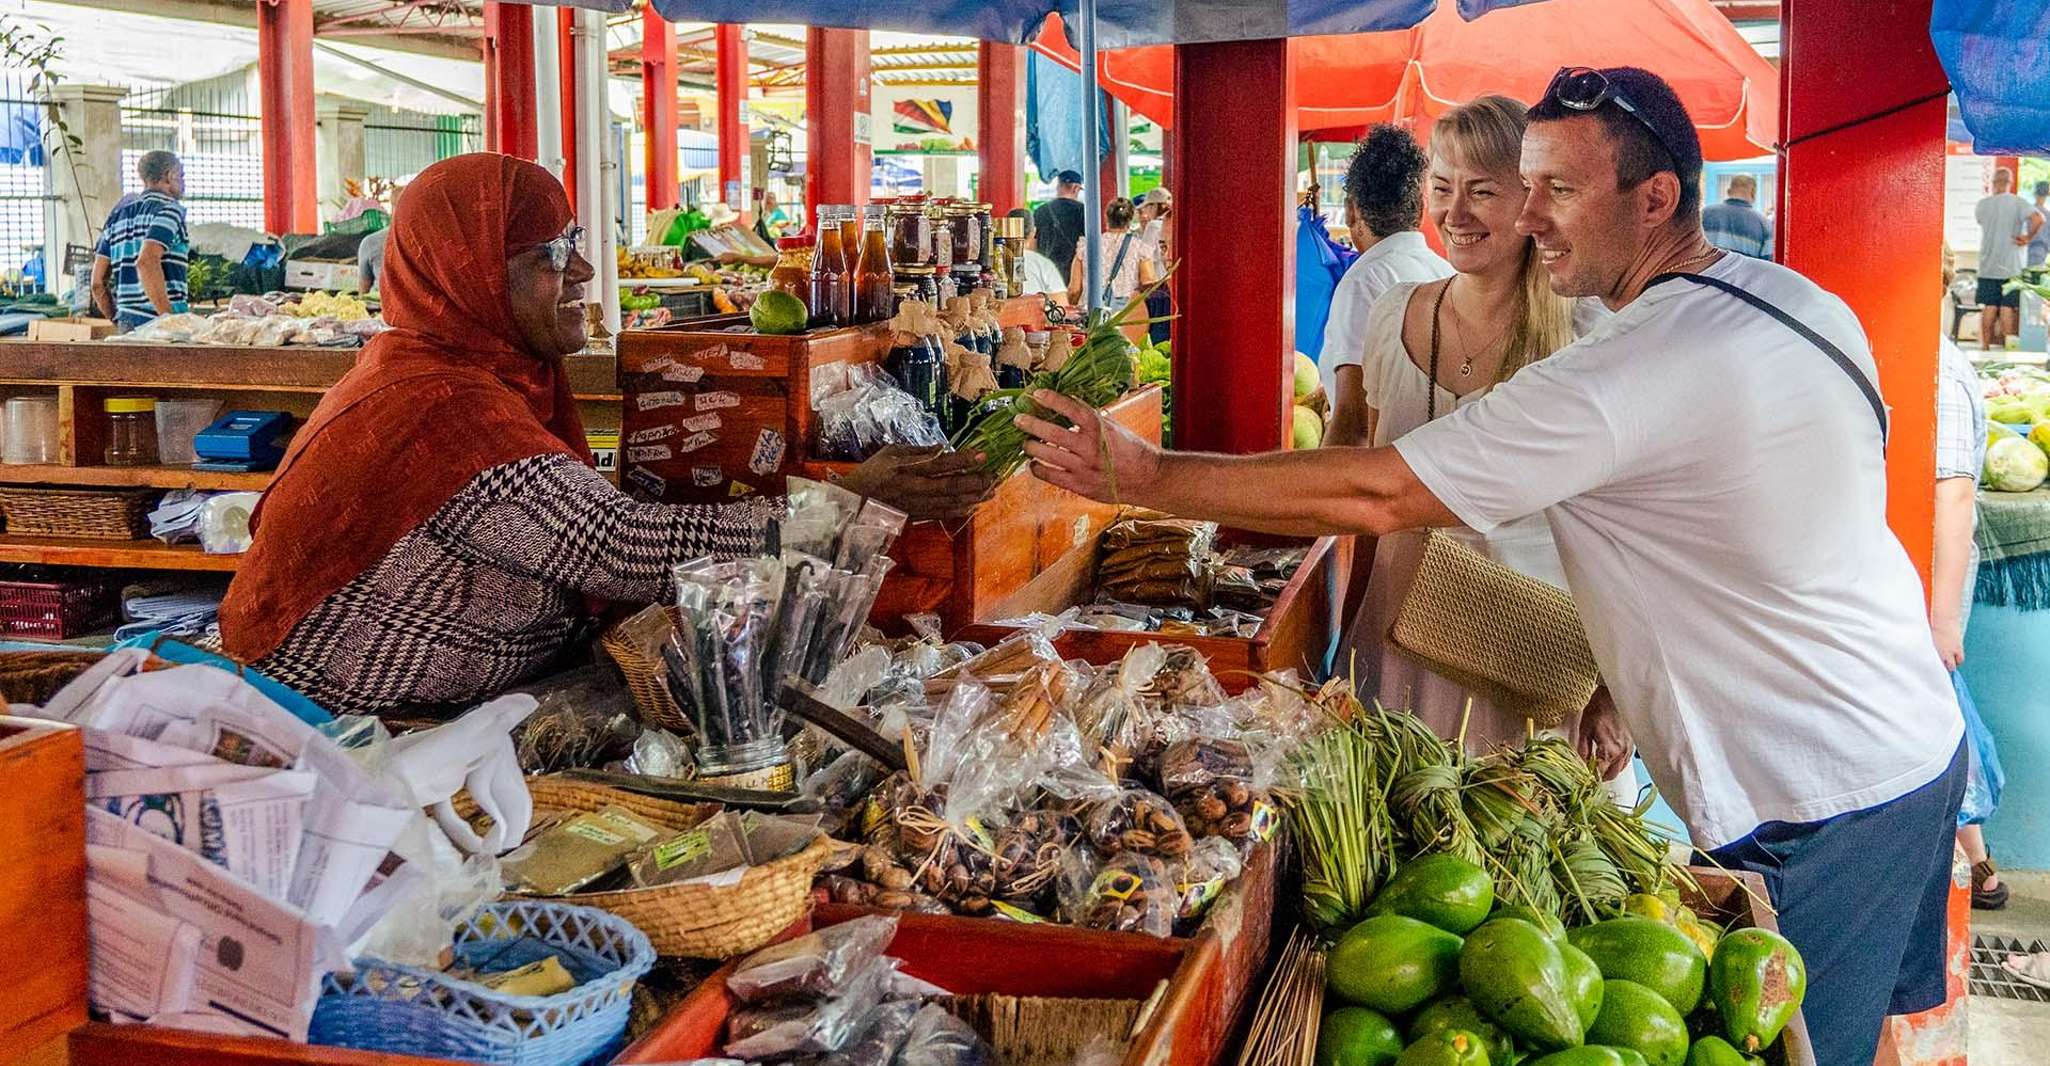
(1434, 346)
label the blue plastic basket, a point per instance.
(404, 1009)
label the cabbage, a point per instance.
(2015, 465)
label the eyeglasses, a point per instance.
(561, 248)
(1587, 89)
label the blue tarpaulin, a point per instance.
(1997, 53)
(1121, 23)
(1053, 119)
(1319, 263)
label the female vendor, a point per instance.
(437, 530)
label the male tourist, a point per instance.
(139, 265)
(2007, 223)
(1736, 226)
(1058, 222)
(1760, 629)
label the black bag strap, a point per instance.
(1117, 263)
(1836, 354)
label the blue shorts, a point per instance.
(1865, 896)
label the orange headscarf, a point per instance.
(446, 394)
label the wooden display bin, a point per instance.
(42, 898)
(1297, 633)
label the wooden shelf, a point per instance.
(141, 367)
(123, 554)
(155, 477)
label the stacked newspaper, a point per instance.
(233, 851)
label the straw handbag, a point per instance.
(1501, 634)
(690, 920)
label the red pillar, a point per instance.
(1840, 177)
(730, 79)
(836, 108)
(999, 108)
(658, 95)
(509, 104)
(566, 52)
(284, 57)
(1235, 338)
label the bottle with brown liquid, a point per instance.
(873, 278)
(849, 216)
(831, 295)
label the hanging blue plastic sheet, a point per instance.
(1997, 53)
(1319, 263)
(1053, 120)
(1984, 780)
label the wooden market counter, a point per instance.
(82, 374)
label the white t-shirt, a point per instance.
(1041, 275)
(1396, 258)
(2002, 217)
(1717, 491)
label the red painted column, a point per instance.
(509, 104)
(284, 57)
(658, 96)
(836, 107)
(730, 79)
(1842, 173)
(999, 111)
(566, 52)
(1235, 338)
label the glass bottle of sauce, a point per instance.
(873, 279)
(792, 272)
(849, 217)
(831, 298)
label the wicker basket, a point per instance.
(694, 920)
(636, 645)
(35, 676)
(93, 514)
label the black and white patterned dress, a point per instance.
(491, 589)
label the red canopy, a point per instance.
(1344, 83)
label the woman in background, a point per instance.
(1127, 258)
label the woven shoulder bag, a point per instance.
(1499, 633)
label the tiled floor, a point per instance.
(2004, 1031)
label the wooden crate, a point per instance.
(972, 957)
(1737, 899)
(42, 898)
(1297, 633)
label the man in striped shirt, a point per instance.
(139, 268)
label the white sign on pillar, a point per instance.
(864, 128)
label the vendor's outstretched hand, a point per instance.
(1097, 457)
(923, 482)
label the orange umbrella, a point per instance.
(1412, 76)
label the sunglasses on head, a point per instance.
(1586, 89)
(561, 248)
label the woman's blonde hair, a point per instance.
(1487, 134)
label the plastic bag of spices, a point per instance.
(809, 1028)
(813, 966)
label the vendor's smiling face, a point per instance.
(1475, 212)
(548, 304)
(1588, 230)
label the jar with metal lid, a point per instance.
(966, 226)
(985, 217)
(942, 230)
(910, 233)
(131, 431)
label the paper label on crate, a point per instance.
(694, 442)
(706, 355)
(652, 401)
(705, 477)
(768, 453)
(700, 423)
(739, 488)
(657, 365)
(686, 374)
(713, 401)
(647, 481)
(649, 453)
(745, 361)
(652, 434)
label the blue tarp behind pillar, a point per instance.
(1997, 53)
(1053, 120)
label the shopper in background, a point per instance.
(436, 529)
(1762, 629)
(370, 259)
(1474, 330)
(2039, 245)
(139, 266)
(1156, 231)
(1059, 221)
(1384, 193)
(1041, 276)
(1736, 226)
(1127, 260)
(770, 221)
(2007, 223)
